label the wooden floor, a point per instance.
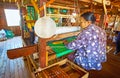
(14, 68)
(111, 68)
(17, 68)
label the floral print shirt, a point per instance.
(90, 46)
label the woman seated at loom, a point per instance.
(90, 44)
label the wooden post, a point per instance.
(42, 43)
(43, 55)
(42, 52)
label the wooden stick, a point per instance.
(104, 6)
(56, 6)
(20, 52)
(60, 15)
(47, 4)
(58, 63)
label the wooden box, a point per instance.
(64, 69)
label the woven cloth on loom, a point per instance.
(59, 48)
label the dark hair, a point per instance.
(89, 16)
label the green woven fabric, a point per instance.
(31, 13)
(60, 49)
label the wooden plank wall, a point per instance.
(3, 24)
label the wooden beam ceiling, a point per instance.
(8, 1)
(83, 4)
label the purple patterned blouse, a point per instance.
(90, 46)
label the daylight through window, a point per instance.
(12, 17)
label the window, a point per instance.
(12, 17)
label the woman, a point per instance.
(90, 44)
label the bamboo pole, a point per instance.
(60, 15)
(104, 6)
(38, 10)
(47, 4)
(56, 6)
